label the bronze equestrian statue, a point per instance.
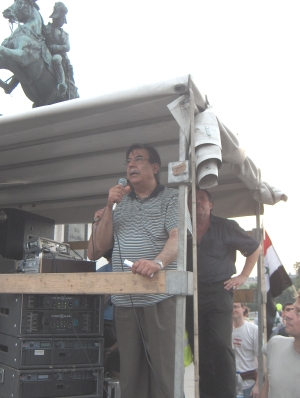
(37, 54)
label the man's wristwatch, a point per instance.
(159, 262)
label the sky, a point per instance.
(243, 55)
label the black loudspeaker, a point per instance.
(51, 383)
(15, 227)
(48, 352)
(35, 315)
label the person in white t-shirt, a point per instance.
(283, 360)
(245, 345)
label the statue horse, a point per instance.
(26, 55)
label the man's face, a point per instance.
(293, 320)
(286, 310)
(203, 205)
(238, 311)
(139, 170)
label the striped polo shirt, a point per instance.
(141, 230)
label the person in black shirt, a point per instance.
(217, 242)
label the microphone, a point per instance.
(123, 182)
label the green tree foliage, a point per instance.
(297, 279)
(252, 306)
(287, 295)
(253, 286)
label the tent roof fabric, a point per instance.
(59, 161)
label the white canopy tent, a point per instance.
(59, 161)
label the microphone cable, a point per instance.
(92, 367)
(93, 248)
(132, 305)
(135, 314)
(137, 319)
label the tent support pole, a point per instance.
(194, 225)
(181, 266)
(182, 248)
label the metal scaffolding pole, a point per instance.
(261, 299)
(182, 245)
(195, 279)
(181, 266)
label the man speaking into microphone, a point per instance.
(143, 229)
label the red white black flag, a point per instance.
(276, 278)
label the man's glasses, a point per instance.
(135, 159)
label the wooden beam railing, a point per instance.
(169, 282)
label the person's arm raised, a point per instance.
(92, 252)
(102, 234)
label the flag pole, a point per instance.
(295, 290)
(261, 299)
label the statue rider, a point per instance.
(57, 40)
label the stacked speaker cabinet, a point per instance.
(51, 346)
(15, 227)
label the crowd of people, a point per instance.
(143, 228)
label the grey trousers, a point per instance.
(157, 325)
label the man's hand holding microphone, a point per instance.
(116, 193)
